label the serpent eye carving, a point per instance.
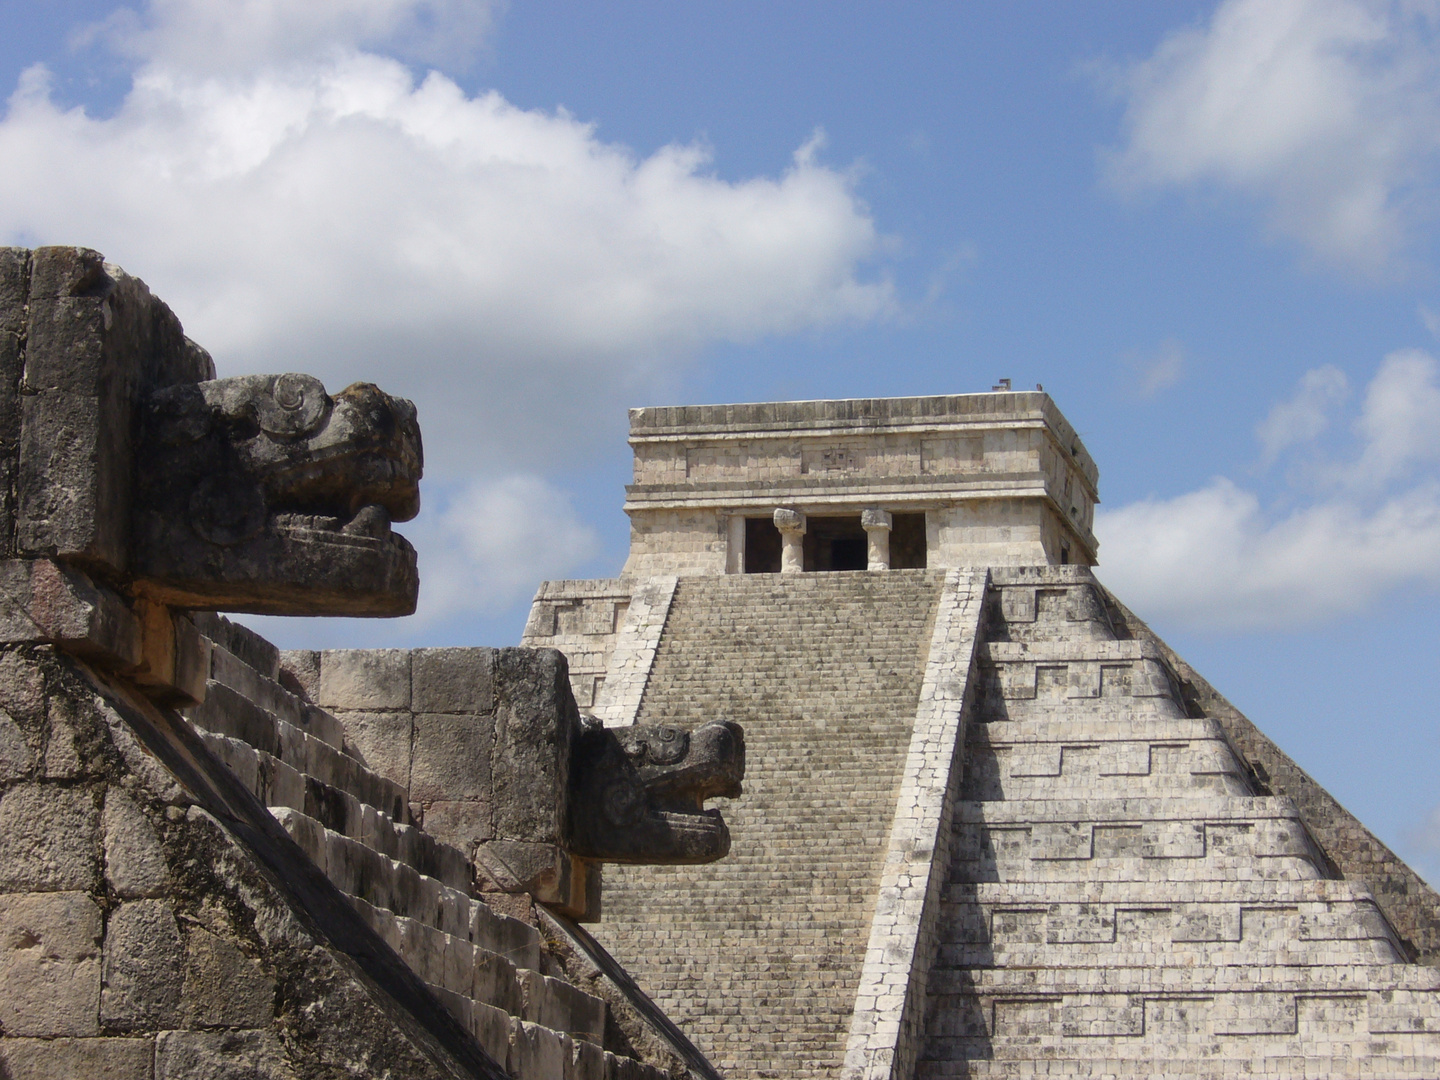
(666, 745)
(295, 405)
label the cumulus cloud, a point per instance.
(497, 540)
(305, 201)
(1326, 110)
(216, 35)
(1219, 558)
(1306, 415)
(1159, 370)
(1400, 420)
(507, 268)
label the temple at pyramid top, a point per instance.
(997, 479)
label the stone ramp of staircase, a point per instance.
(758, 956)
(485, 968)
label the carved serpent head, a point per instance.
(264, 493)
(638, 793)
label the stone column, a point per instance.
(791, 524)
(877, 524)
(735, 544)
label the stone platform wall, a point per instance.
(282, 910)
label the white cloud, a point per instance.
(1400, 420)
(305, 204)
(1305, 416)
(1328, 110)
(518, 277)
(494, 542)
(1160, 370)
(215, 35)
(1218, 558)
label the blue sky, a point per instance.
(1208, 229)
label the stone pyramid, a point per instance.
(993, 826)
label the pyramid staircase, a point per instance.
(1122, 903)
(758, 956)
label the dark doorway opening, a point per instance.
(907, 542)
(762, 546)
(835, 543)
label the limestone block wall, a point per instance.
(580, 618)
(138, 939)
(995, 532)
(695, 467)
(689, 541)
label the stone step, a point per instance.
(1131, 839)
(1272, 1058)
(266, 693)
(228, 712)
(279, 786)
(758, 956)
(1152, 840)
(1383, 980)
(538, 1026)
(1239, 891)
(1101, 768)
(1161, 952)
(1012, 925)
(1076, 725)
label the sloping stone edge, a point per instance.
(1411, 906)
(886, 1026)
(636, 642)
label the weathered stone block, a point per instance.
(143, 967)
(382, 740)
(59, 604)
(22, 687)
(589, 1061)
(17, 759)
(49, 964)
(542, 870)
(535, 727)
(48, 839)
(451, 758)
(452, 680)
(134, 860)
(300, 672)
(74, 474)
(365, 679)
(73, 1059)
(221, 1055)
(491, 1026)
(461, 824)
(556, 1004)
(14, 287)
(223, 986)
(536, 1053)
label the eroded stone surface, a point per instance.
(134, 859)
(50, 964)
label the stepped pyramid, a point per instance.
(992, 826)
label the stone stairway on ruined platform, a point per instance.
(1122, 903)
(484, 967)
(758, 956)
